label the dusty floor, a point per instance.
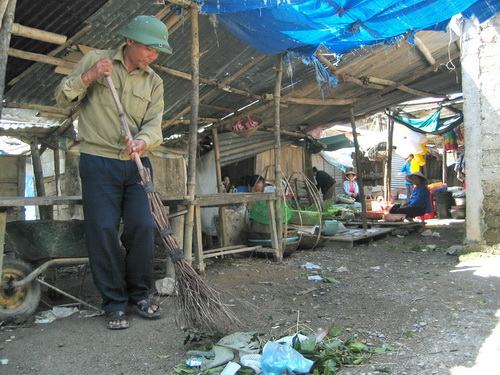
(436, 312)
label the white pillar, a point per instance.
(480, 62)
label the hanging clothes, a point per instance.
(450, 141)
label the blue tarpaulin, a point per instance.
(275, 26)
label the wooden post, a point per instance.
(224, 240)
(358, 168)
(57, 169)
(3, 222)
(6, 20)
(45, 211)
(388, 160)
(193, 133)
(199, 240)
(277, 154)
(445, 167)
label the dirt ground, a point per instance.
(440, 315)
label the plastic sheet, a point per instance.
(274, 26)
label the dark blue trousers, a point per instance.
(121, 265)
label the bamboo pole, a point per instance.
(277, 154)
(6, 20)
(319, 102)
(38, 57)
(45, 211)
(220, 187)
(424, 51)
(193, 134)
(388, 161)
(57, 169)
(37, 34)
(445, 167)
(358, 168)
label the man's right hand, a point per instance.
(102, 68)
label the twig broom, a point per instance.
(200, 304)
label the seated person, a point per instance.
(256, 184)
(228, 187)
(351, 187)
(324, 182)
(420, 200)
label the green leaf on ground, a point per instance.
(335, 330)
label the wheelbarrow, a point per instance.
(32, 248)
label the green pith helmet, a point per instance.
(149, 31)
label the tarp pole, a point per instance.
(6, 21)
(220, 188)
(193, 134)
(358, 169)
(277, 154)
(388, 160)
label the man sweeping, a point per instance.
(111, 191)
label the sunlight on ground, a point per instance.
(488, 358)
(443, 222)
(484, 267)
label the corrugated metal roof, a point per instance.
(234, 148)
(58, 16)
(222, 55)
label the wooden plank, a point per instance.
(234, 251)
(222, 249)
(215, 200)
(358, 235)
(39, 201)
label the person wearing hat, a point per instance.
(121, 265)
(419, 202)
(351, 187)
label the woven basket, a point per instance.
(247, 132)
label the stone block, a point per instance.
(492, 236)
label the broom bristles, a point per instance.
(201, 304)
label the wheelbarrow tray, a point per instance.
(39, 240)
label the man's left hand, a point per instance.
(135, 146)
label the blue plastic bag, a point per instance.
(281, 358)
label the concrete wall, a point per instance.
(481, 85)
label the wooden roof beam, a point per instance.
(37, 34)
(225, 81)
(387, 82)
(375, 82)
(424, 51)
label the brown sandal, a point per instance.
(143, 308)
(117, 320)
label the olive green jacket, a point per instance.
(140, 91)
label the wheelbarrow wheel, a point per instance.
(17, 304)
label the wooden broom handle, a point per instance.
(125, 128)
